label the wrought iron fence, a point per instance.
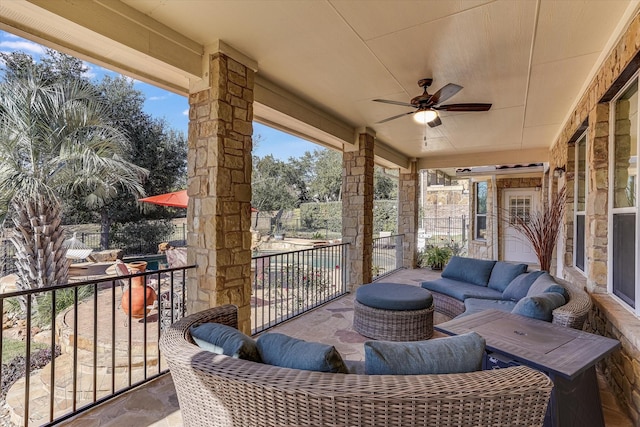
(288, 284)
(445, 229)
(96, 348)
(387, 255)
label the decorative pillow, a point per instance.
(503, 273)
(539, 306)
(223, 339)
(470, 270)
(546, 283)
(450, 355)
(519, 286)
(288, 352)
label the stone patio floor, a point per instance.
(155, 404)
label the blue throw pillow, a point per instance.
(503, 273)
(450, 355)
(519, 286)
(470, 270)
(539, 306)
(288, 352)
(223, 339)
(546, 283)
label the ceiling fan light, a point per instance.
(425, 116)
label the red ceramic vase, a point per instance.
(138, 308)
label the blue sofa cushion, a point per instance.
(470, 270)
(394, 296)
(460, 290)
(503, 273)
(457, 354)
(519, 286)
(546, 283)
(288, 352)
(539, 306)
(223, 339)
(476, 305)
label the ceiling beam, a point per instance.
(465, 160)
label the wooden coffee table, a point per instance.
(567, 355)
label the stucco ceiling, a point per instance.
(531, 59)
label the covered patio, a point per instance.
(548, 85)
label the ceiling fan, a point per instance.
(427, 106)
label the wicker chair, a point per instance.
(216, 390)
(571, 315)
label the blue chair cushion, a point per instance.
(394, 296)
(539, 306)
(457, 354)
(519, 286)
(503, 273)
(476, 305)
(223, 339)
(460, 290)
(546, 283)
(470, 270)
(288, 352)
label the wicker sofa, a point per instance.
(217, 390)
(572, 314)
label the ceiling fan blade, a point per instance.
(395, 117)
(444, 93)
(463, 107)
(387, 101)
(435, 122)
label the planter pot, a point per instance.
(138, 307)
(136, 267)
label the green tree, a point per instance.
(326, 180)
(385, 184)
(56, 142)
(273, 187)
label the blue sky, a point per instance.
(174, 108)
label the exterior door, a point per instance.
(521, 203)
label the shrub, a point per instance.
(140, 237)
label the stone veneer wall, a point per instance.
(608, 316)
(408, 193)
(219, 188)
(357, 209)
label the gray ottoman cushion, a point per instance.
(394, 296)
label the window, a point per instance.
(623, 239)
(580, 202)
(481, 210)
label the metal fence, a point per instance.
(103, 350)
(445, 229)
(288, 284)
(387, 255)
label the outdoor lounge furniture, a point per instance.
(393, 312)
(471, 285)
(218, 390)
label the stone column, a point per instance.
(219, 188)
(357, 208)
(597, 222)
(408, 201)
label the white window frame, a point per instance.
(583, 212)
(475, 211)
(612, 210)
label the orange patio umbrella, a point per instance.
(176, 199)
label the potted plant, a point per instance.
(436, 257)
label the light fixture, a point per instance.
(425, 116)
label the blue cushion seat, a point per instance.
(460, 290)
(539, 306)
(546, 283)
(394, 296)
(470, 270)
(476, 305)
(519, 286)
(450, 355)
(503, 273)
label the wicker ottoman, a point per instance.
(393, 312)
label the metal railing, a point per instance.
(450, 229)
(387, 255)
(103, 350)
(287, 284)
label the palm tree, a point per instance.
(55, 143)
